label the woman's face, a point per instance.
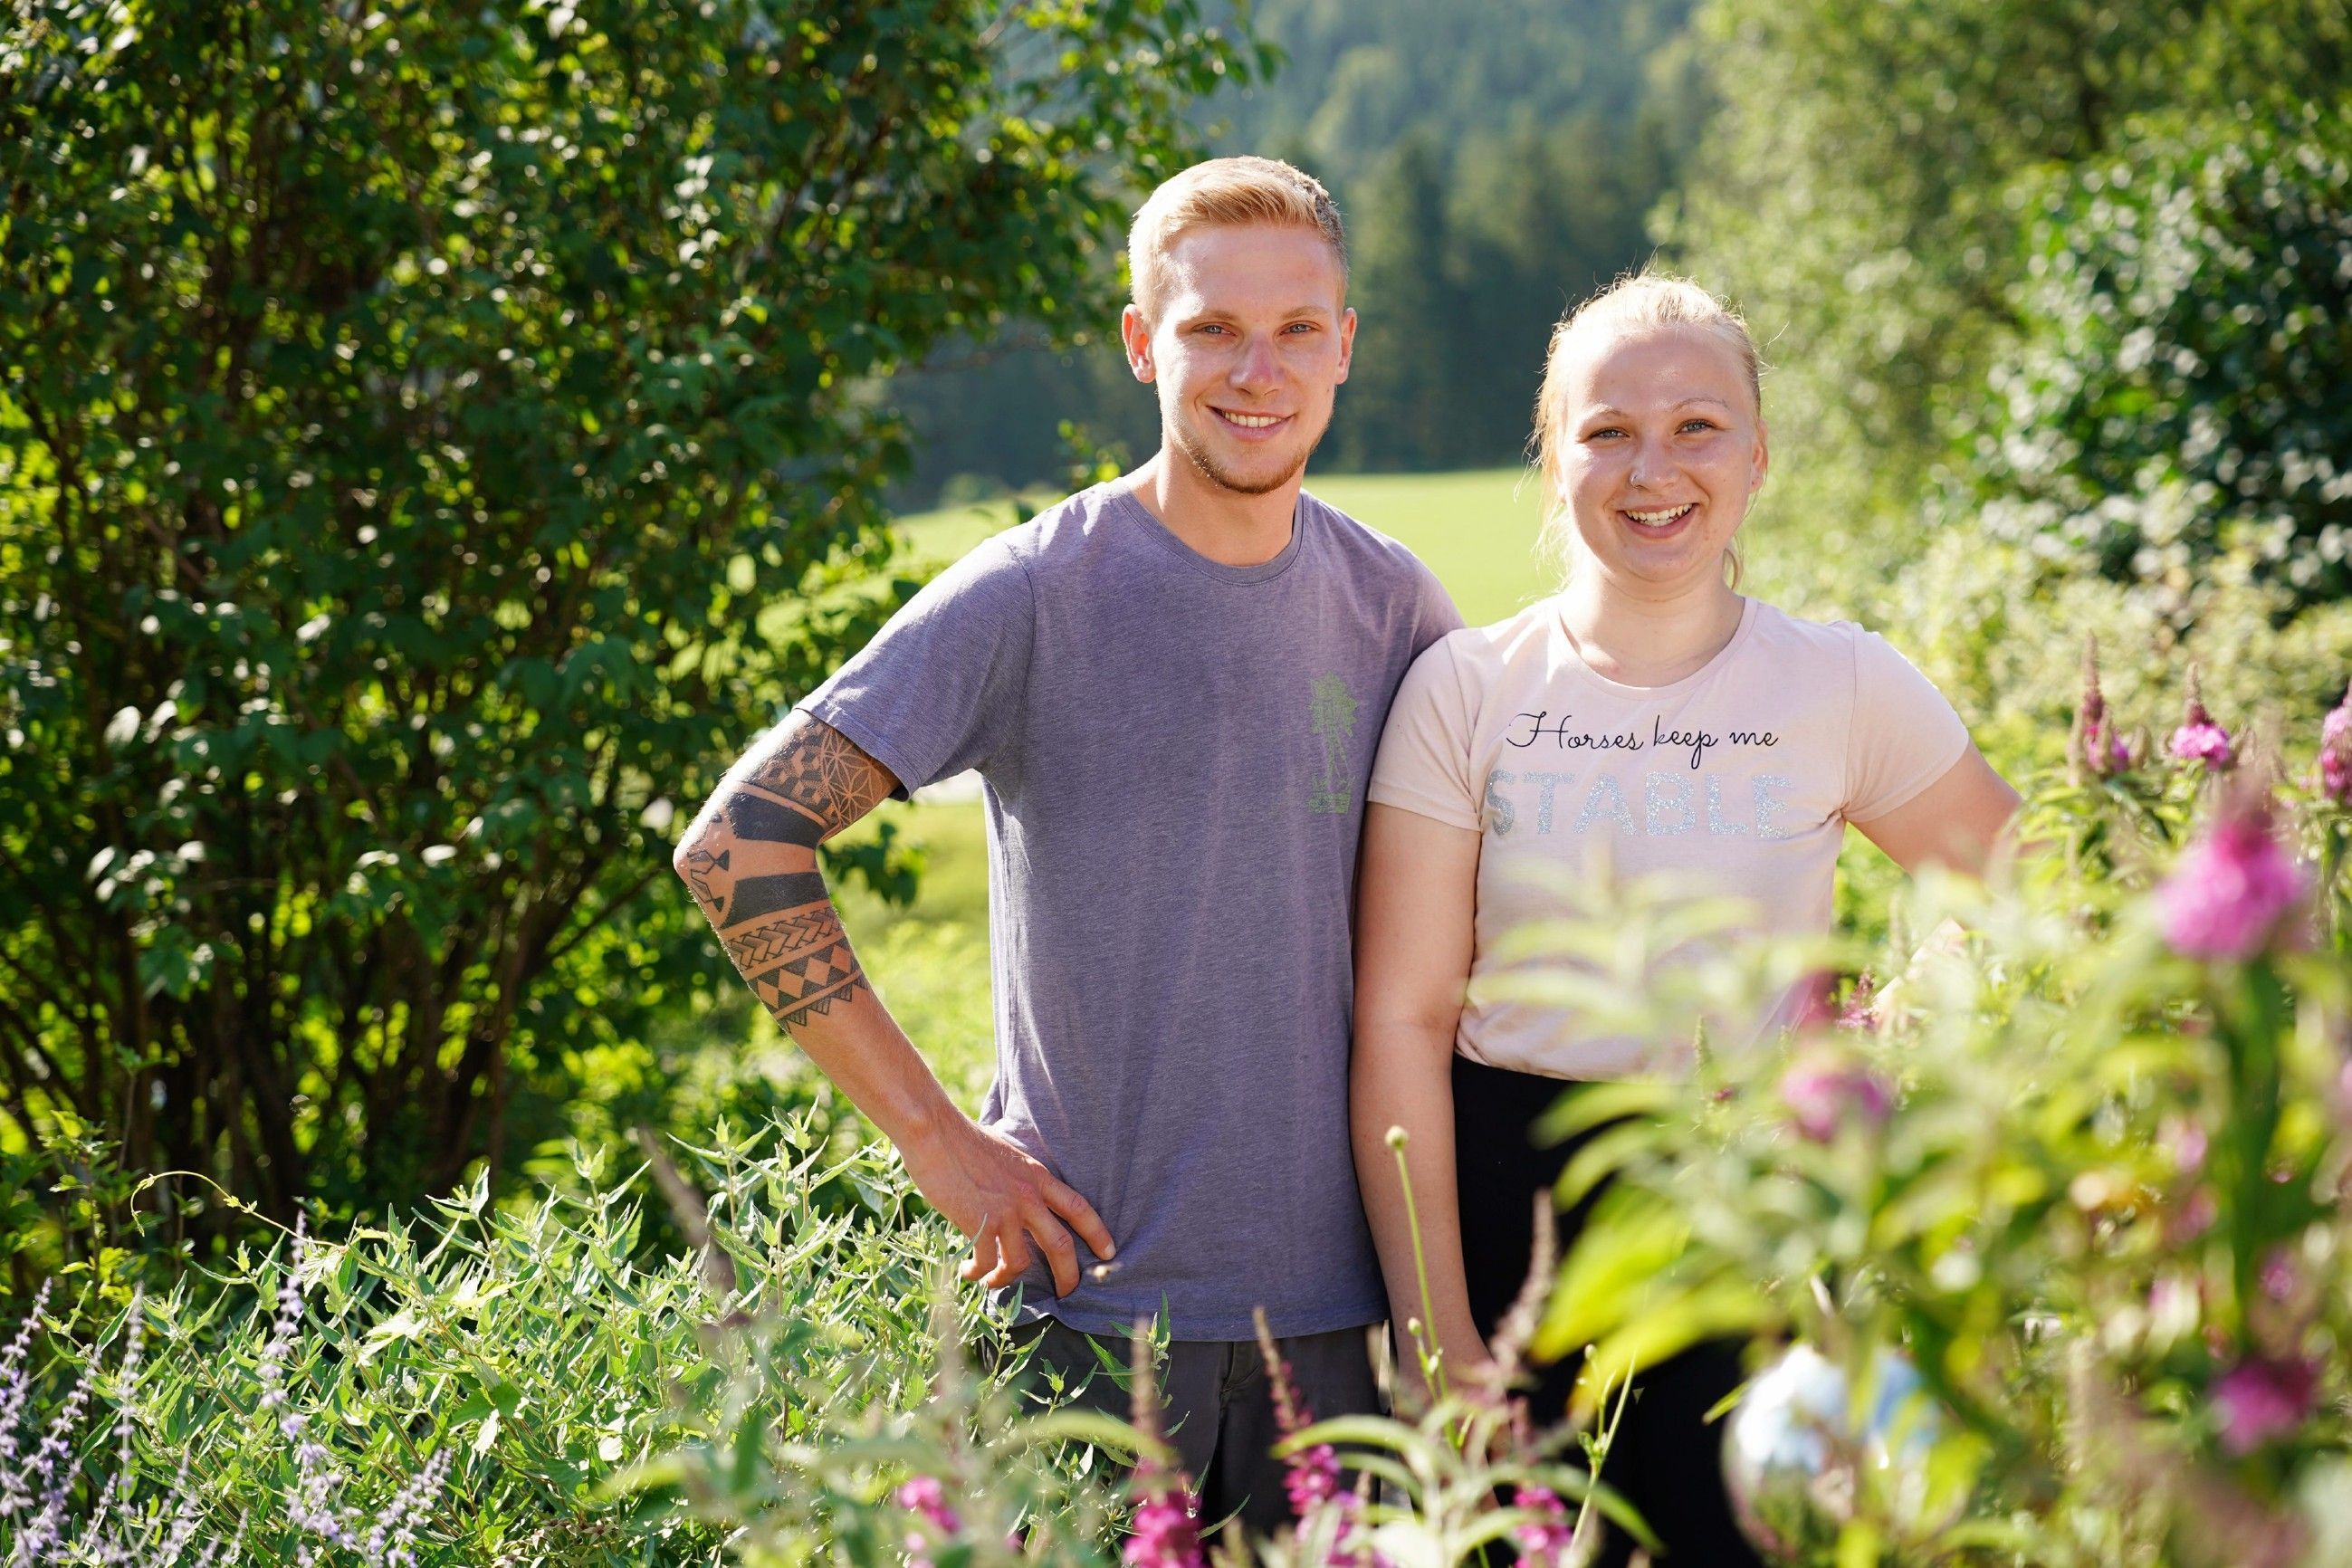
(1662, 452)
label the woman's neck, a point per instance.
(1644, 639)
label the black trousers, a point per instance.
(1217, 1405)
(1665, 1457)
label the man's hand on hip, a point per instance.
(1007, 1201)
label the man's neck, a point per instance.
(1646, 638)
(1224, 526)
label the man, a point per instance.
(1171, 686)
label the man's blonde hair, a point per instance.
(1638, 302)
(1227, 192)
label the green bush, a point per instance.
(2181, 379)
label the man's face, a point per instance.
(1248, 343)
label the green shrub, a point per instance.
(2181, 377)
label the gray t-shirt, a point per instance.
(1174, 756)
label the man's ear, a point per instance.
(1346, 341)
(1136, 333)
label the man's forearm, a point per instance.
(750, 860)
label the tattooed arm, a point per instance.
(750, 859)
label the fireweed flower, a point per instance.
(2199, 738)
(2230, 890)
(2336, 752)
(1545, 1540)
(1311, 1476)
(2259, 1400)
(1824, 1089)
(1860, 1013)
(1163, 1534)
(923, 1497)
(2095, 745)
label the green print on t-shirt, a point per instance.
(1331, 712)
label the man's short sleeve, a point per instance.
(939, 687)
(1905, 734)
(1423, 762)
(1436, 614)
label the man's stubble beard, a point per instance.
(1196, 451)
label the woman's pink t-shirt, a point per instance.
(1740, 778)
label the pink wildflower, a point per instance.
(2184, 1138)
(2231, 889)
(923, 1496)
(2192, 1219)
(1311, 1476)
(2278, 1274)
(2199, 738)
(1544, 1540)
(2336, 752)
(1164, 1535)
(1824, 1089)
(1861, 1011)
(2260, 1400)
(2096, 745)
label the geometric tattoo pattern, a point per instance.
(798, 964)
(755, 874)
(821, 769)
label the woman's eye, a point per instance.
(1689, 425)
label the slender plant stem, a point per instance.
(1433, 1362)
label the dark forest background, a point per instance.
(1492, 169)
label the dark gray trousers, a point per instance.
(1216, 1404)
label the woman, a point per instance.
(1650, 718)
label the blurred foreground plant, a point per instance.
(2084, 1165)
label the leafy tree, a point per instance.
(432, 439)
(2183, 379)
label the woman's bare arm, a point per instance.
(1416, 902)
(1958, 821)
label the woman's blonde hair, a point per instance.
(1638, 302)
(1227, 192)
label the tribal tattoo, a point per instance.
(754, 873)
(823, 773)
(799, 963)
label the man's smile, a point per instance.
(1247, 424)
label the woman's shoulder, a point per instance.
(1840, 646)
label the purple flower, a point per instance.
(14, 1387)
(2336, 752)
(2230, 892)
(2259, 1400)
(2199, 738)
(1545, 1540)
(1164, 1535)
(1824, 1089)
(2278, 1274)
